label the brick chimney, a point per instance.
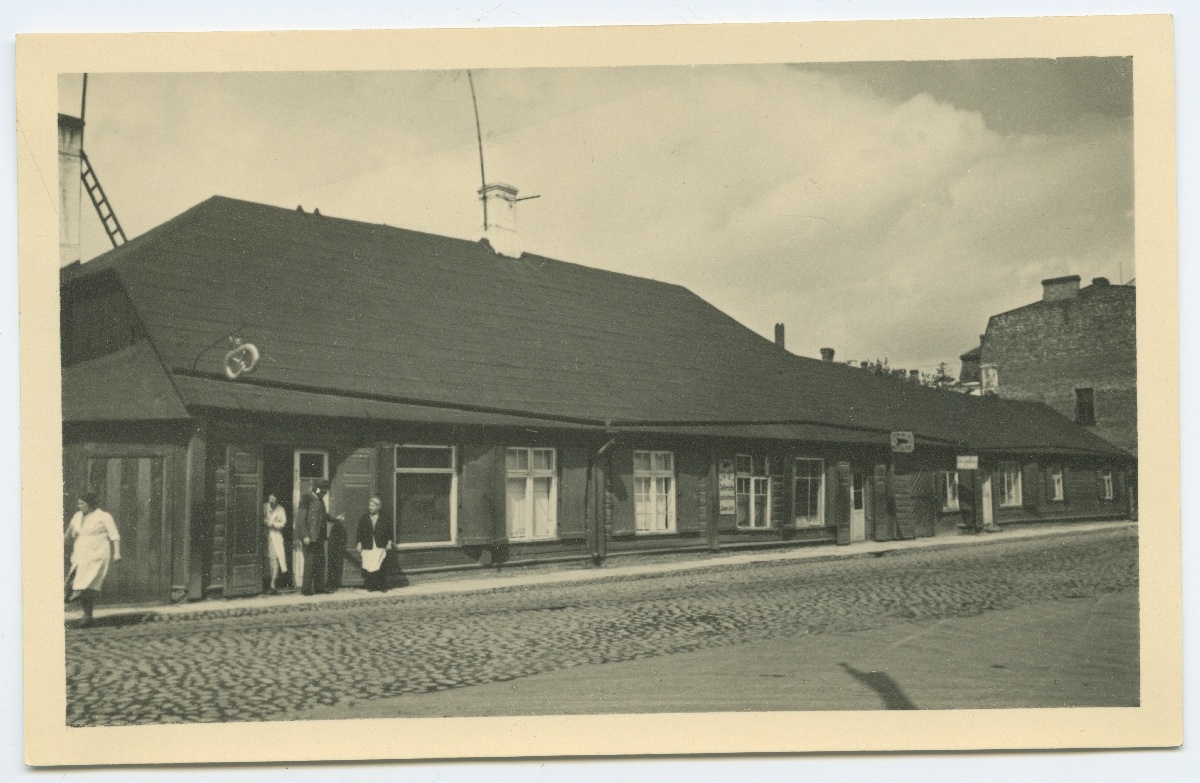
(1058, 288)
(500, 228)
(779, 335)
(827, 354)
(70, 187)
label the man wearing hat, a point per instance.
(312, 520)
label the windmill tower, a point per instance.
(75, 176)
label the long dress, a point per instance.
(276, 520)
(91, 552)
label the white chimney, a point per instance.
(500, 219)
(70, 187)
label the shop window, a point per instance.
(752, 491)
(810, 492)
(950, 490)
(654, 491)
(531, 494)
(1011, 474)
(426, 484)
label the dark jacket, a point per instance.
(311, 518)
(383, 531)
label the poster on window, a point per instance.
(726, 487)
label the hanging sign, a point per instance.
(242, 359)
(903, 442)
(968, 463)
(726, 487)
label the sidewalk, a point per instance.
(512, 577)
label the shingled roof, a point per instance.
(343, 309)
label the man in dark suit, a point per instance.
(311, 524)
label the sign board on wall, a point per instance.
(903, 442)
(968, 463)
(726, 487)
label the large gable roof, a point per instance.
(340, 308)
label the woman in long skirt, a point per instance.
(374, 542)
(95, 544)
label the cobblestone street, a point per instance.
(273, 665)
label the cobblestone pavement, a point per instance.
(270, 666)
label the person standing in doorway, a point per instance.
(275, 520)
(374, 541)
(311, 530)
(95, 544)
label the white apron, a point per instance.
(91, 551)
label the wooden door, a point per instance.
(351, 489)
(133, 490)
(243, 523)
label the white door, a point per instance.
(987, 499)
(858, 507)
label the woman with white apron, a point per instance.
(95, 544)
(374, 542)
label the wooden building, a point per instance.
(506, 410)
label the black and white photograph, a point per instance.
(751, 388)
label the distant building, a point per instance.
(1075, 350)
(968, 377)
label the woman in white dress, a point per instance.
(95, 544)
(275, 518)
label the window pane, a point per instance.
(518, 507)
(543, 511)
(641, 461)
(516, 460)
(663, 462)
(760, 465)
(543, 459)
(743, 463)
(423, 508)
(312, 465)
(743, 485)
(424, 457)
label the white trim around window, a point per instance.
(1107, 478)
(808, 489)
(531, 494)
(422, 458)
(654, 491)
(752, 491)
(1057, 485)
(1010, 486)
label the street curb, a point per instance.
(761, 558)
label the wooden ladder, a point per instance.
(108, 218)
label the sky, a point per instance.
(881, 209)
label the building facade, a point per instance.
(505, 410)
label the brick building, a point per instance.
(1075, 350)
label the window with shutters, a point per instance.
(752, 490)
(950, 490)
(426, 491)
(1107, 478)
(810, 491)
(1057, 491)
(1011, 475)
(531, 494)
(654, 491)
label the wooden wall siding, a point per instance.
(841, 504)
(188, 543)
(220, 491)
(691, 490)
(134, 490)
(883, 521)
(1082, 494)
(481, 505)
(572, 492)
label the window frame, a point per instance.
(1016, 497)
(753, 479)
(820, 518)
(1058, 485)
(1110, 493)
(653, 475)
(452, 471)
(950, 478)
(529, 473)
